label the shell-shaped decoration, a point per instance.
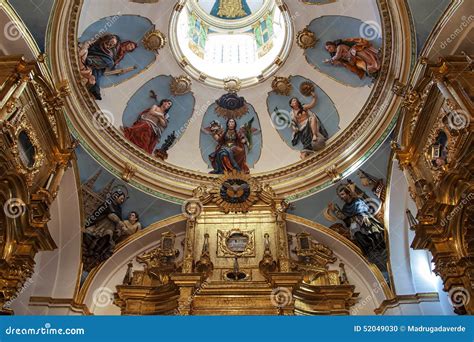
(154, 40)
(180, 85)
(281, 85)
(232, 84)
(306, 39)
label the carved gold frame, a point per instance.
(225, 252)
(175, 184)
(29, 172)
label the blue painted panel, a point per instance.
(180, 112)
(333, 27)
(324, 109)
(207, 144)
(127, 27)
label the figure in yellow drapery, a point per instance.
(231, 9)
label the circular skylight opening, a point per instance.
(216, 40)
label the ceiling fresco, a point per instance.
(336, 68)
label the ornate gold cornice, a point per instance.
(319, 227)
(294, 181)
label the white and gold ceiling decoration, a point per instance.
(204, 58)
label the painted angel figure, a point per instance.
(230, 153)
(358, 217)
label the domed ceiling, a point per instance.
(171, 93)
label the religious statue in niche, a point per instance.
(230, 153)
(147, 130)
(357, 214)
(355, 54)
(230, 9)
(105, 227)
(439, 151)
(101, 57)
(306, 126)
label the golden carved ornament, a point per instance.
(224, 239)
(235, 192)
(154, 41)
(307, 88)
(232, 84)
(128, 172)
(306, 39)
(180, 85)
(282, 85)
(333, 173)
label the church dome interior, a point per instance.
(236, 157)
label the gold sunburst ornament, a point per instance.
(154, 41)
(306, 39)
(235, 192)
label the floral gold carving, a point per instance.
(282, 85)
(154, 41)
(180, 85)
(306, 39)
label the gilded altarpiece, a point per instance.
(35, 151)
(435, 153)
(237, 261)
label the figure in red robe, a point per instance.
(147, 130)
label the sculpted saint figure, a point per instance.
(147, 130)
(363, 227)
(230, 151)
(355, 54)
(306, 126)
(101, 55)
